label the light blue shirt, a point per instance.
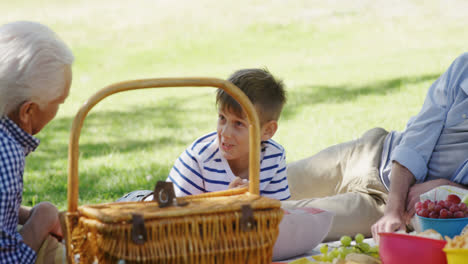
(434, 143)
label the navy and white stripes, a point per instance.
(15, 144)
(201, 168)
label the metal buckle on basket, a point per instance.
(247, 221)
(139, 235)
(164, 195)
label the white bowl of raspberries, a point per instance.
(448, 217)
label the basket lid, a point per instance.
(123, 211)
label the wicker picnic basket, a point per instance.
(233, 226)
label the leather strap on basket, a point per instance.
(139, 234)
(247, 219)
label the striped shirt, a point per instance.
(15, 144)
(201, 168)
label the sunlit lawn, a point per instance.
(348, 66)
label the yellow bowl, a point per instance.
(456, 255)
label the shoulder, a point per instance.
(9, 148)
(272, 146)
(272, 153)
(460, 64)
(463, 57)
(457, 74)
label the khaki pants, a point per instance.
(51, 251)
(343, 179)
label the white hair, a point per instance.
(32, 64)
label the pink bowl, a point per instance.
(397, 248)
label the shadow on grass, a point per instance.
(316, 94)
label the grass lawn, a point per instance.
(348, 66)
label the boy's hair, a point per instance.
(265, 92)
(32, 62)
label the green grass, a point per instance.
(348, 66)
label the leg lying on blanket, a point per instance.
(343, 179)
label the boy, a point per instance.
(219, 160)
(35, 78)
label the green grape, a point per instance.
(324, 249)
(345, 240)
(349, 250)
(356, 250)
(335, 253)
(359, 238)
(364, 247)
(344, 251)
(347, 247)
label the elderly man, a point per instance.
(373, 183)
(35, 78)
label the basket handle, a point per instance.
(231, 89)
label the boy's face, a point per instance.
(233, 136)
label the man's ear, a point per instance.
(23, 116)
(268, 130)
(26, 111)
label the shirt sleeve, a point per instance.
(423, 130)
(12, 247)
(278, 187)
(186, 175)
